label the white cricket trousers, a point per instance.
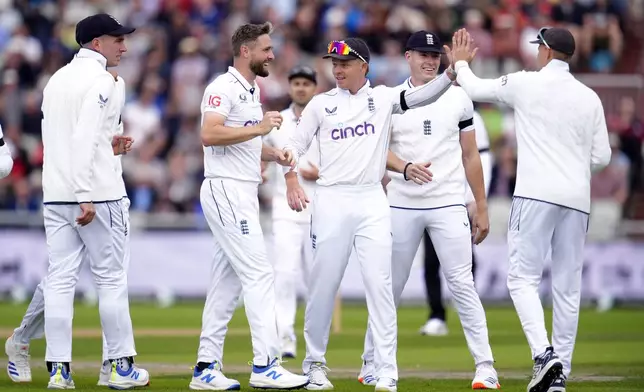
(239, 265)
(534, 228)
(102, 242)
(450, 231)
(292, 259)
(346, 218)
(33, 322)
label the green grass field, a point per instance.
(609, 354)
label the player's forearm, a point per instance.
(480, 90)
(425, 94)
(291, 180)
(220, 135)
(394, 163)
(269, 153)
(474, 175)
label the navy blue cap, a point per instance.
(98, 25)
(303, 71)
(424, 41)
(556, 38)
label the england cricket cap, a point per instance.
(303, 71)
(556, 38)
(349, 49)
(98, 25)
(424, 41)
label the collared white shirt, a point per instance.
(560, 129)
(352, 131)
(432, 134)
(279, 138)
(80, 115)
(231, 96)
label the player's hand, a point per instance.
(271, 120)
(122, 144)
(295, 195)
(311, 174)
(481, 223)
(418, 173)
(285, 158)
(87, 214)
(462, 47)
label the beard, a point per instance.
(258, 68)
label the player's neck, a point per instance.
(415, 82)
(354, 90)
(297, 110)
(244, 70)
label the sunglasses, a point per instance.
(542, 31)
(342, 48)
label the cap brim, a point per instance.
(428, 50)
(340, 56)
(536, 41)
(122, 31)
(302, 75)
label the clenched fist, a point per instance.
(271, 120)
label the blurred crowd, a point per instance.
(181, 45)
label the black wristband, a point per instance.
(405, 171)
(1, 142)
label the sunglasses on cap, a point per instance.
(541, 37)
(342, 48)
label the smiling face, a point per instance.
(349, 74)
(423, 66)
(261, 55)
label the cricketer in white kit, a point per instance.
(6, 161)
(351, 124)
(561, 138)
(80, 118)
(443, 134)
(231, 132)
(33, 322)
(292, 253)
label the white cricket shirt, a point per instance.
(352, 130)
(483, 144)
(231, 96)
(80, 114)
(279, 138)
(560, 129)
(431, 134)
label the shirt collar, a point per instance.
(364, 88)
(242, 80)
(557, 65)
(92, 54)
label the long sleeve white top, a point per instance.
(560, 128)
(6, 161)
(79, 121)
(353, 130)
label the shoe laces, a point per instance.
(22, 357)
(318, 368)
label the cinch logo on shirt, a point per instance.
(250, 123)
(358, 130)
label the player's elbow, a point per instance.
(209, 136)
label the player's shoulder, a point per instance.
(222, 82)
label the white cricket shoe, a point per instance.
(367, 374)
(386, 384)
(318, 380)
(274, 376)
(18, 365)
(104, 374)
(486, 378)
(434, 327)
(289, 348)
(212, 379)
(60, 378)
(133, 377)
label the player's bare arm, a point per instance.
(295, 195)
(474, 175)
(416, 172)
(272, 154)
(214, 133)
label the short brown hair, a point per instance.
(249, 33)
